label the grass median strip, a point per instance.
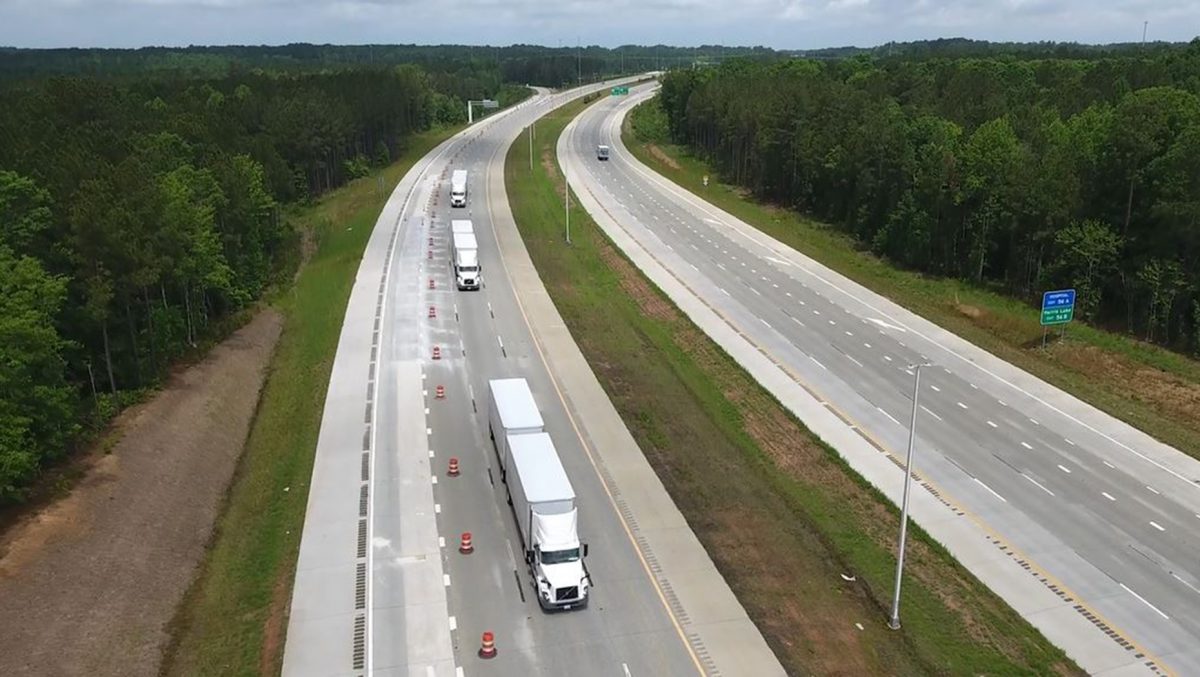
(234, 618)
(1152, 389)
(805, 544)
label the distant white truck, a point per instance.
(511, 411)
(543, 503)
(464, 257)
(602, 152)
(458, 188)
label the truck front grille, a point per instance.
(566, 594)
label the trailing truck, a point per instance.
(458, 188)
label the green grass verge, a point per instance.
(1155, 390)
(780, 514)
(233, 619)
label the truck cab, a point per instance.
(458, 188)
(601, 152)
(465, 260)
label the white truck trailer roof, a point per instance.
(465, 241)
(515, 405)
(541, 473)
(459, 176)
(461, 226)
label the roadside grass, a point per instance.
(1152, 389)
(781, 515)
(234, 618)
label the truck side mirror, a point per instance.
(585, 549)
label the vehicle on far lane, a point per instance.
(458, 188)
(602, 152)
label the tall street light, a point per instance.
(894, 623)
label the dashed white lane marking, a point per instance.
(993, 424)
(426, 411)
(832, 323)
(849, 333)
(453, 624)
(429, 431)
(446, 580)
(930, 412)
(1064, 468)
(775, 285)
(867, 345)
(437, 508)
(851, 358)
(1143, 600)
(1034, 421)
(723, 291)
(1110, 465)
(993, 491)
(973, 386)
(765, 322)
(1037, 484)
(1107, 495)
(816, 312)
(889, 416)
(888, 358)
(818, 362)
(756, 291)
(442, 544)
(1068, 441)
(694, 267)
(1194, 588)
(1026, 445)
(961, 405)
(1152, 489)
(1002, 403)
(434, 478)
(935, 388)
(721, 266)
(797, 321)
(788, 293)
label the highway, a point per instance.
(1108, 517)
(381, 587)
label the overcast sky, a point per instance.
(788, 24)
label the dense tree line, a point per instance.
(136, 213)
(1021, 174)
(464, 64)
(946, 48)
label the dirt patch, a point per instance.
(275, 627)
(969, 310)
(551, 168)
(89, 583)
(662, 156)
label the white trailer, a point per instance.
(458, 188)
(543, 503)
(464, 258)
(462, 226)
(511, 411)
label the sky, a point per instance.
(782, 24)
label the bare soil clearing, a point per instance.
(90, 583)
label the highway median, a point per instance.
(805, 544)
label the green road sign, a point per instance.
(1058, 307)
(618, 91)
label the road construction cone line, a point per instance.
(465, 546)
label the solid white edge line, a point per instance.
(1037, 484)
(930, 412)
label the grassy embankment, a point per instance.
(1155, 390)
(780, 514)
(234, 618)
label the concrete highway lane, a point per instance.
(385, 589)
(1115, 525)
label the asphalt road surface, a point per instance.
(1117, 524)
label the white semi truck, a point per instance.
(543, 503)
(458, 188)
(462, 226)
(511, 411)
(464, 257)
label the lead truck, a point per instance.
(458, 188)
(541, 496)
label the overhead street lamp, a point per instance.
(894, 623)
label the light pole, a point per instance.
(567, 192)
(894, 623)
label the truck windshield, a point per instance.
(560, 556)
